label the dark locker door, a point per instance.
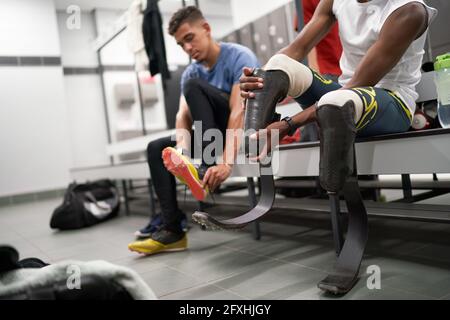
(439, 29)
(261, 38)
(292, 11)
(278, 24)
(245, 36)
(172, 96)
(232, 37)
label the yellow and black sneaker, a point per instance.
(182, 168)
(162, 240)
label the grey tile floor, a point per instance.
(295, 252)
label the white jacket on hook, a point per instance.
(136, 43)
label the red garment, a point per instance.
(329, 49)
(290, 139)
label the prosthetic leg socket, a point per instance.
(260, 111)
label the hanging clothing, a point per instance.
(329, 49)
(135, 39)
(154, 40)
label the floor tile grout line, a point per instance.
(422, 247)
(178, 291)
(233, 274)
(312, 268)
(153, 270)
(416, 249)
(408, 252)
(137, 259)
(186, 274)
(231, 291)
(211, 282)
(400, 255)
(280, 260)
(445, 295)
(214, 281)
(201, 285)
(37, 248)
(410, 292)
(231, 248)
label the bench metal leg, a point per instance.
(152, 196)
(336, 222)
(125, 197)
(252, 200)
(408, 197)
(407, 187)
(201, 207)
(424, 196)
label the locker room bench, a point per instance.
(421, 152)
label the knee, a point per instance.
(300, 76)
(339, 98)
(192, 86)
(155, 148)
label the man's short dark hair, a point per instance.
(186, 14)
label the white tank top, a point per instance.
(359, 27)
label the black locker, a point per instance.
(262, 40)
(172, 96)
(278, 24)
(232, 37)
(245, 36)
(439, 29)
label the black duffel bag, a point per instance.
(86, 204)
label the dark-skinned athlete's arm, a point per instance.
(401, 28)
(314, 31)
(217, 174)
(319, 25)
(311, 34)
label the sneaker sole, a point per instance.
(153, 247)
(142, 235)
(181, 169)
(163, 250)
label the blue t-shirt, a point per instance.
(227, 70)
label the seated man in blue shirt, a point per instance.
(211, 95)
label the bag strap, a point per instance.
(92, 198)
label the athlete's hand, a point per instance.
(249, 83)
(264, 136)
(215, 175)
